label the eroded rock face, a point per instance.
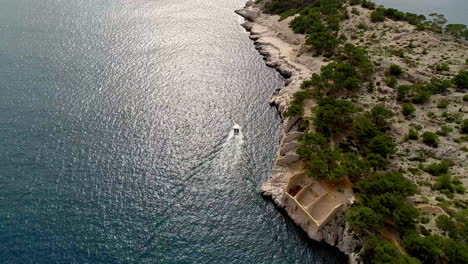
(281, 55)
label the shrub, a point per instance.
(465, 98)
(407, 109)
(383, 145)
(333, 165)
(442, 67)
(380, 115)
(379, 251)
(332, 116)
(421, 97)
(365, 129)
(368, 4)
(404, 91)
(437, 169)
(395, 70)
(443, 104)
(430, 139)
(444, 130)
(413, 134)
(377, 16)
(464, 127)
(444, 183)
(323, 41)
(461, 80)
(294, 110)
(405, 216)
(355, 11)
(364, 218)
(376, 161)
(343, 76)
(391, 81)
(362, 26)
(444, 223)
(438, 86)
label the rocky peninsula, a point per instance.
(403, 57)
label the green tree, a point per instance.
(430, 139)
(407, 109)
(383, 145)
(364, 218)
(404, 216)
(461, 80)
(333, 116)
(455, 30)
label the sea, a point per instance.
(116, 139)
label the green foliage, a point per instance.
(294, 110)
(422, 248)
(320, 21)
(444, 223)
(464, 127)
(380, 251)
(430, 139)
(404, 91)
(383, 145)
(443, 104)
(442, 67)
(395, 70)
(355, 2)
(444, 130)
(461, 80)
(437, 169)
(343, 76)
(359, 58)
(380, 115)
(444, 183)
(377, 16)
(404, 216)
(407, 109)
(311, 143)
(362, 26)
(456, 30)
(365, 129)
(438, 86)
(364, 218)
(422, 96)
(333, 164)
(391, 182)
(465, 98)
(368, 4)
(413, 134)
(391, 81)
(376, 161)
(333, 116)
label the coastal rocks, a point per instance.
(287, 147)
(287, 159)
(282, 50)
(275, 186)
(249, 15)
(292, 136)
(247, 25)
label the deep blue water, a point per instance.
(115, 146)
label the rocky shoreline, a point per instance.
(285, 52)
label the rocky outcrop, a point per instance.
(281, 54)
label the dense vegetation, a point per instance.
(351, 144)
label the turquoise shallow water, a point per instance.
(115, 146)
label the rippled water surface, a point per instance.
(116, 142)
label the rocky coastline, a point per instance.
(285, 52)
